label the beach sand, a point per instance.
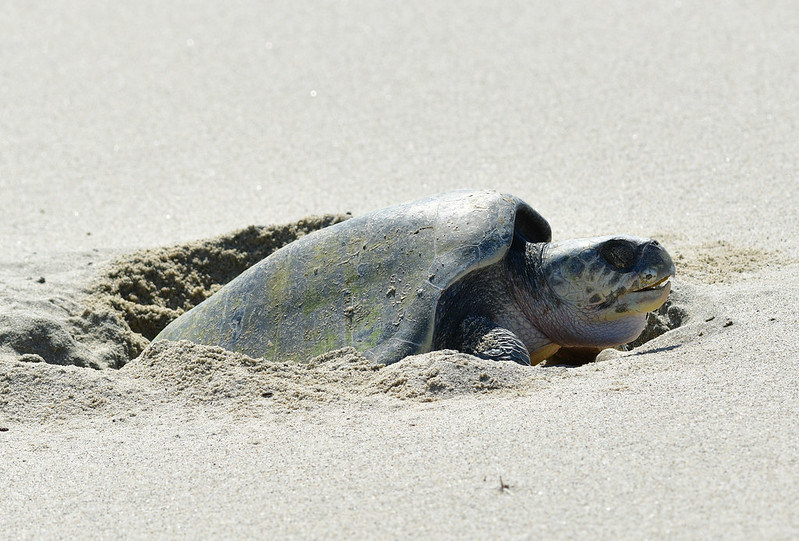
(147, 152)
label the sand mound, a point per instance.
(199, 380)
(44, 392)
(212, 376)
(95, 338)
(46, 320)
(441, 374)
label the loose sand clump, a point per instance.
(48, 322)
(441, 374)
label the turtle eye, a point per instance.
(619, 253)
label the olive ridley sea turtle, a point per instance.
(472, 271)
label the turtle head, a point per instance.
(601, 288)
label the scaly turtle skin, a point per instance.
(473, 271)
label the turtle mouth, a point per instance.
(657, 286)
(648, 298)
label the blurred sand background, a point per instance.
(143, 125)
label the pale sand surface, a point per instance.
(146, 125)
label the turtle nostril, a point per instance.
(620, 253)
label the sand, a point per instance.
(147, 152)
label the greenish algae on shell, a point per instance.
(372, 282)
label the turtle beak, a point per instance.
(648, 299)
(658, 265)
(652, 285)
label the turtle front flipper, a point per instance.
(485, 339)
